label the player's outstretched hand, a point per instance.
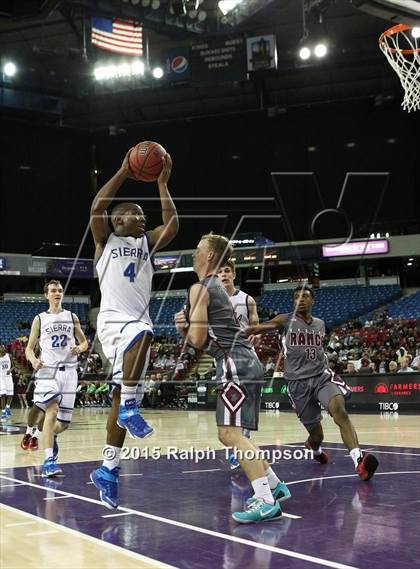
(75, 350)
(166, 169)
(181, 323)
(255, 339)
(125, 167)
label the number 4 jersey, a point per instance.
(125, 270)
(56, 337)
(303, 347)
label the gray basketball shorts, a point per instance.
(240, 377)
(307, 395)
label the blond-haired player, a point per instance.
(209, 323)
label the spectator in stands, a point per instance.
(393, 367)
(416, 362)
(269, 366)
(372, 366)
(149, 386)
(20, 390)
(404, 366)
(382, 367)
(350, 368)
(365, 366)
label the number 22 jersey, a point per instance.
(303, 347)
(56, 337)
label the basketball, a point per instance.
(145, 160)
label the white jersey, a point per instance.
(56, 337)
(125, 270)
(239, 300)
(5, 365)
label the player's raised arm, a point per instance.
(80, 337)
(98, 214)
(274, 324)
(165, 233)
(198, 329)
(33, 339)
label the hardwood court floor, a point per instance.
(29, 540)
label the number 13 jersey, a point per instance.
(125, 270)
(303, 347)
(56, 337)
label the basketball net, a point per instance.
(403, 53)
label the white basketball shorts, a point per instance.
(6, 385)
(56, 384)
(117, 334)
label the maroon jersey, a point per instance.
(303, 347)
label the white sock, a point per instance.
(127, 393)
(7, 406)
(272, 478)
(109, 450)
(48, 453)
(355, 454)
(262, 490)
(246, 433)
(36, 433)
(317, 452)
(29, 430)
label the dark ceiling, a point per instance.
(49, 41)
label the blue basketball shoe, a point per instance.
(106, 481)
(280, 493)
(259, 511)
(129, 418)
(50, 468)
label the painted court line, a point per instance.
(117, 515)
(56, 497)
(96, 541)
(255, 545)
(363, 449)
(8, 485)
(350, 476)
(194, 471)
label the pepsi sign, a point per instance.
(177, 62)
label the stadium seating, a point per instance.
(162, 315)
(11, 312)
(405, 307)
(335, 305)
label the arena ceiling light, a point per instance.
(415, 32)
(9, 69)
(106, 72)
(320, 50)
(304, 53)
(226, 6)
(157, 72)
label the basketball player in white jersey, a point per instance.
(56, 377)
(245, 309)
(6, 384)
(125, 269)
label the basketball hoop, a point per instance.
(403, 54)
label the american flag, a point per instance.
(119, 36)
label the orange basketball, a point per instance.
(145, 160)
